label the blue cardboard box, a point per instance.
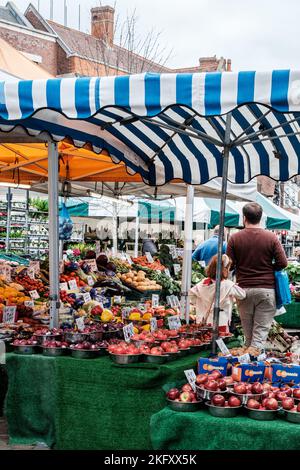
(249, 372)
(206, 365)
(285, 373)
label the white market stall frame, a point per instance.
(166, 127)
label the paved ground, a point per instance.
(4, 440)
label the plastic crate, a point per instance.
(290, 319)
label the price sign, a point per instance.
(126, 312)
(9, 314)
(173, 253)
(191, 377)
(117, 299)
(174, 301)
(262, 357)
(167, 272)
(90, 281)
(98, 248)
(223, 347)
(73, 285)
(155, 300)
(202, 264)
(128, 259)
(86, 297)
(179, 252)
(29, 303)
(31, 272)
(149, 257)
(34, 294)
(36, 266)
(174, 322)
(80, 323)
(61, 266)
(65, 257)
(245, 358)
(177, 269)
(153, 324)
(92, 264)
(5, 271)
(63, 286)
(128, 332)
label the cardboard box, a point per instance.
(249, 372)
(206, 365)
(285, 373)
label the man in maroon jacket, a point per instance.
(256, 253)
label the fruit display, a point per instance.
(154, 266)
(139, 281)
(183, 399)
(55, 344)
(32, 284)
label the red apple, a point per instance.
(218, 400)
(271, 395)
(211, 385)
(288, 390)
(240, 388)
(267, 387)
(187, 388)
(296, 393)
(288, 403)
(234, 401)
(201, 379)
(173, 393)
(222, 384)
(298, 407)
(264, 401)
(257, 388)
(280, 396)
(253, 404)
(157, 351)
(185, 397)
(215, 374)
(229, 380)
(272, 404)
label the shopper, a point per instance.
(203, 294)
(149, 246)
(206, 250)
(256, 253)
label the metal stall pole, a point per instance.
(221, 232)
(136, 236)
(187, 255)
(115, 229)
(8, 217)
(53, 233)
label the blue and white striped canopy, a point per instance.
(168, 126)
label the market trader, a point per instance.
(206, 250)
(256, 254)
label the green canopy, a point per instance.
(156, 211)
(76, 207)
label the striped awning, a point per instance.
(168, 126)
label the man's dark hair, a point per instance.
(253, 212)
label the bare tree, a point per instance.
(131, 52)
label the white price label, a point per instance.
(149, 257)
(61, 266)
(245, 358)
(31, 272)
(202, 264)
(36, 266)
(167, 272)
(63, 286)
(126, 312)
(177, 269)
(174, 301)
(222, 346)
(128, 259)
(9, 314)
(80, 323)
(128, 332)
(73, 284)
(155, 300)
(34, 294)
(92, 264)
(98, 248)
(86, 297)
(90, 281)
(65, 257)
(191, 377)
(29, 303)
(5, 271)
(179, 252)
(153, 324)
(117, 299)
(174, 322)
(262, 357)
(172, 249)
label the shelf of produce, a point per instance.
(86, 404)
(171, 430)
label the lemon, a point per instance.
(106, 315)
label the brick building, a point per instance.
(66, 51)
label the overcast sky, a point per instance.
(256, 34)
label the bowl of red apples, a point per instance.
(25, 346)
(124, 353)
(292, 413)
(207, 385)
(183, 399)
(265, 409)
(222, 408)
(54, 348)
(156, 355)
(245, 390)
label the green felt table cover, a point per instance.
(171, 430)
(86, 404)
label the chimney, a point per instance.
(103, 23)
(228, 65)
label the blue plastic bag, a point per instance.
(65, 224)
(282, 287)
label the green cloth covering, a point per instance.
(86, 404)
(290, 319)
(171, 430)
